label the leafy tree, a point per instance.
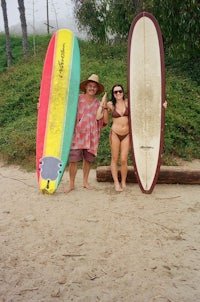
(107, 18)
(180, 25)
(8, 46)
(121, 14)
(179, 21)
(90, 15)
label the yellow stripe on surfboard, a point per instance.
(57, 105)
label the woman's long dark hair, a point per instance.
(113, 99)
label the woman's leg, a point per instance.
(125, 144)
(114, 146)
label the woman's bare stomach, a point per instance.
(120, 129)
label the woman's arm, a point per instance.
(103, 110)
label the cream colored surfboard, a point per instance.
(146, 85)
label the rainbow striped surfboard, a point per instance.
(58, 103)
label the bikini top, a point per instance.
(116, 114)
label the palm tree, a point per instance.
(23, 25)
(7, 34)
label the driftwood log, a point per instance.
(167, 175)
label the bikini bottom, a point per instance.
(120, 137)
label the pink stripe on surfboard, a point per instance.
(45, 98)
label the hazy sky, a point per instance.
(36, 10)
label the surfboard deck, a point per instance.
(58, 103)
(146, 94)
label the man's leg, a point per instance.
(88, 159)
(72, 174)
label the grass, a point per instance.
(20, 85)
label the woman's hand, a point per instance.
(165, 104)
(103, 103)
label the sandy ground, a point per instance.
(98, 245)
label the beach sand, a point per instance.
(90, 246)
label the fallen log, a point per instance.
(167, 175)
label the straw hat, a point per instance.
(92, 78)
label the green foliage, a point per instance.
(17, 141)
(109, 62)
(20, 84)
(182, 132)
(180, 23)
(17, 50)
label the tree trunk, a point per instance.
(8, 46)
(23, 26)
(47, 4)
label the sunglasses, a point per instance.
(117, 91)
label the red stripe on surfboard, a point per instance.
(45, 98)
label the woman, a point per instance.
(119, 135)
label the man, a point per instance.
(92, 115)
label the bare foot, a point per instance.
(124, 187)
(69, 189)
(87, 186)
(118, 188)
